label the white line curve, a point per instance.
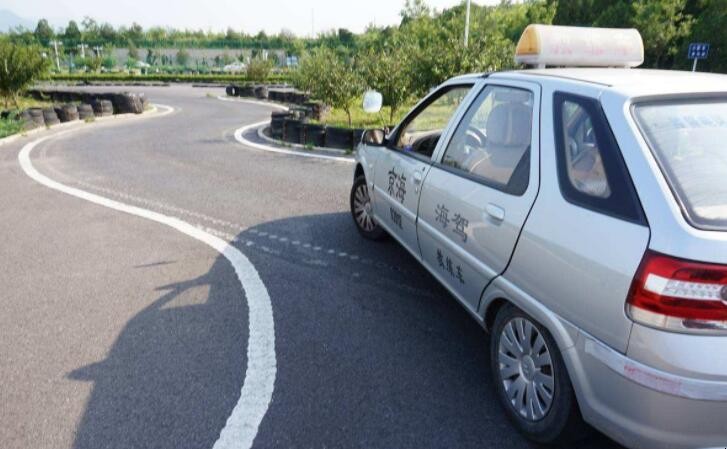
(257, 389)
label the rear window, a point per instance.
(689, 141)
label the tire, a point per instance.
(559, 422)
(361, 211)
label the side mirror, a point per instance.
(374, 137)
(372, 102)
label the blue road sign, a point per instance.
(698, 50)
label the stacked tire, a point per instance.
(341, 138)
(277, 123)
(128, 104)
(66, 112)
(261, 92)
(50, 117)
(36, 116)
(85, 112)
(314, 135)
(232, 91)
(102, 108)
(292, 130)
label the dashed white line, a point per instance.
(257, 389)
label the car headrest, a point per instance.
(509, 124)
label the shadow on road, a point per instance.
(371, 353)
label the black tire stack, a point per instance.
(85, 112)
(127, 104)
(314, 135)
(67, 112)
(341, 138)
(277, 123)
(36, 116)
(292, 130)
(232, 91)
(102, 108)
(50, 117)
(261, 92)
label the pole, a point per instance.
(694, 66)
(467, 24)
(55, 47)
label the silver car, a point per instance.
(580, 216)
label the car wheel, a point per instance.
(362, 211)
(531, 380)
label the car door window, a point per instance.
(583, 160)
(421, 132)
(492, 142)
(591, 169)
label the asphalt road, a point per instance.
(118, 332)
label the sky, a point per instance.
(298, 16)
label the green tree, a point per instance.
(330, 79)
(182, 57)
(133, 51)
(109, 62)
(388, 72)
(20, 66)
(72, 33)
(258, 70)
(663, 24)
(43, 32)
(709, 26)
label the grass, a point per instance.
(27, 102)
(9, 126)
(360, 119)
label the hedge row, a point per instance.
(169, 78)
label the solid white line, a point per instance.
(259, 103)
(257, 389)
(241, 139)
(240, 131)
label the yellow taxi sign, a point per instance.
(552, 45)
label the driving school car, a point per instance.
(580, 216)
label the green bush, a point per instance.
(20, 66)
(9, 126)
(258, 70)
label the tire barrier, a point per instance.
(102, 108)
(75, 105)
(261, 92)
(85, 112)
(357, 137)
(314, 135)
(50, 117)
(67, 112)
(36, 115)
(341, 138)
(277, 124)
(292, 130)
(231, 91)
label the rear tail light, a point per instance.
(679, 295)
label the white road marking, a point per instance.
(257, 389)
(239, 136)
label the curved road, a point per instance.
(119, 332)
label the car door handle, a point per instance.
(495, 212)
(417, 177)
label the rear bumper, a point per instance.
(644, 407)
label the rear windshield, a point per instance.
(689, 140)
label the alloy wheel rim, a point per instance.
(526, 369)
(362, 208)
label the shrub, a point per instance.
(258, 70)
(20, 66)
